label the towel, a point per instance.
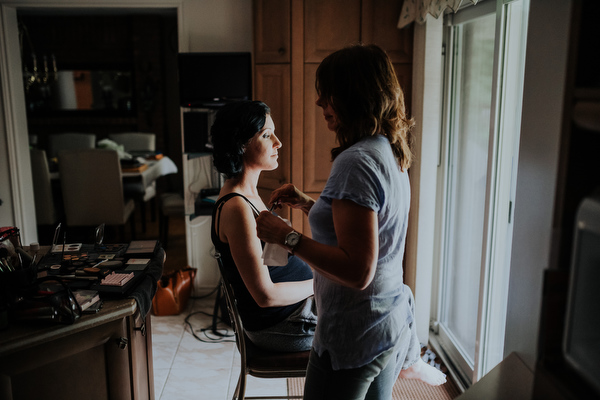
(274, 255)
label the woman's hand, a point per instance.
(289, 195)
(352, 262)
(271, 229)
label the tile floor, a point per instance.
(187, 368)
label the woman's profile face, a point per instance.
(262, 150)
(329, 114)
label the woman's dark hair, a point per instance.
(360, 84)
(235, 124)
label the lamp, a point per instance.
(34, 77)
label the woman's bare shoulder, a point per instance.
(236, 208)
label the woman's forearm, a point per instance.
(285, 293)
(352, 262)
(336, 264)
(307, 206)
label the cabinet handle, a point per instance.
(142, 329)
(122, 343)
(281, 51)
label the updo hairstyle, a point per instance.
(235, 124)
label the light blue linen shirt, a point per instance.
(355, 326)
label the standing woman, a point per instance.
(275, 302)
(366, 334)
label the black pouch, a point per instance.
(39, 304)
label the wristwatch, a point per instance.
(292, 239)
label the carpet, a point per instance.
(404, 389)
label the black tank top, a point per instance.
(253, 316)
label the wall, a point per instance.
(218, 25)
(16, 187)
(205, 25)
(420, 247)
(541, 127)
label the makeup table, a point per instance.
(106, 355)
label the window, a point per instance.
(484, 60)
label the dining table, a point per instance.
(148, 171)
(144, 174)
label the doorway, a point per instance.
(20, 197)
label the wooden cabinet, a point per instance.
(272, 82)
(318, 140)
(272, 85)
(329, 26)
(291, 38)
(379, 25)
(272, 22)
(102, 356)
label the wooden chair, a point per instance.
(69, 141)
(254, 360)
(139, 142)
(92, 188)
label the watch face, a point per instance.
(292, 238)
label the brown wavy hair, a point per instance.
(360, 84)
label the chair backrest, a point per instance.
(68, 141)
(255, 361)
(92, 187)
(45, 211)
(234, 315)
(135, 141)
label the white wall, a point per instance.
(218, 25)
(427, 82)
(541, 126)
(16, 187)
(204, 25)
(6, 214)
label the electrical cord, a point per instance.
(217, 335)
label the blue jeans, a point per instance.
(373, 381)
(295, 333)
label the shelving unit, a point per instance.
(198, 174)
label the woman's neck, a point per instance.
(245, 184)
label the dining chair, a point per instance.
(139, 142)
(92, 188)
(255, 361)
(45, 209)
(68, 141)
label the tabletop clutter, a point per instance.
(62, 282)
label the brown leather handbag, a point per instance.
(173, 292)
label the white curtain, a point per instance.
(417, 10)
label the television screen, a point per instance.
(582, 330)
(207, 79)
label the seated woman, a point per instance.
(275, 302)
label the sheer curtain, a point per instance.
(417, 10)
